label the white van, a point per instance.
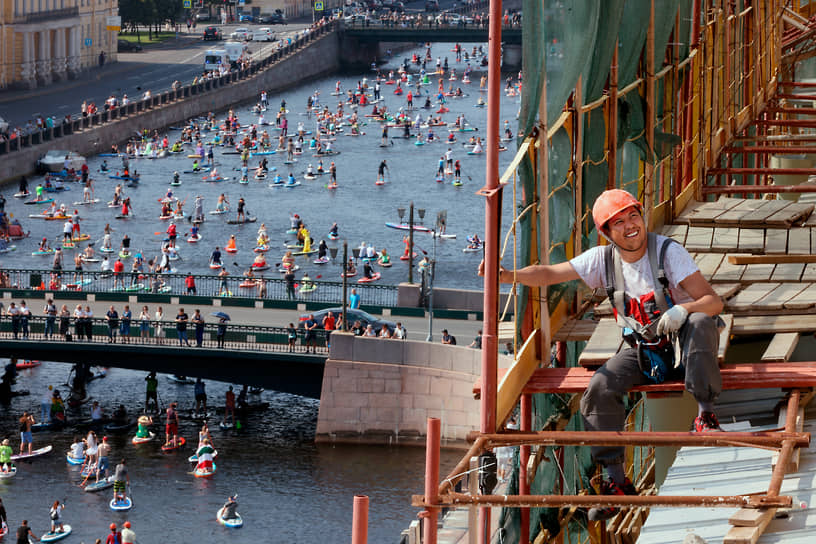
(234, 50)
(214, 58)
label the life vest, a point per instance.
(638, 317)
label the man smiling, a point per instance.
(659, 296)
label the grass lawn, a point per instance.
(142, 37)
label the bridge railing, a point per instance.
(159, 333)
(263, 288)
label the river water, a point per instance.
(290, 490)
(360, 208)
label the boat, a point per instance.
(35, 453)
(406, 226)
(240, 222)
(234, 523)
(54, 161)
(104, 483)
(74, 460)
(374, 277)
(139, 440)
(179, 444)
(121, 505)
(27, 364)
(53, 537)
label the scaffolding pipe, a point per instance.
(788, 446)
(756, 189)
(612, 136)
(491, 247)
(359, 520)
(618, 501)
(643, 438)
(431, 479)
(771, 149)
(526, 425)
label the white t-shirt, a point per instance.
(637, 276)
(77, 450)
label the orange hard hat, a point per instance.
(127, 525)
(610, 203)
(113, 526)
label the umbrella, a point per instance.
(221, 315)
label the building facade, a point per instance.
(51, 40)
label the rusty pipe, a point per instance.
(587, 501)
(431, 479)
(619, 438)
(359, 520)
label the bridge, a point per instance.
(377, 31)
(253, 355)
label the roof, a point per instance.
(735, 471)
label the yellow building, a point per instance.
(50, 40)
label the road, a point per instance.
(155, 68)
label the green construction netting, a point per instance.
(565, 40)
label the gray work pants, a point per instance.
(602, 403)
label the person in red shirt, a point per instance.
(329, 324)
(115, 537)
(189, 282)
(118, 269)
(171, 234)
(229, 406)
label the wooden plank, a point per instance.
(751, 240)
(776, 241)
(757, 272)
(699, 239)
(735, 214)
(781, 348)
(772, 324)
(809, 273)
(788, 272)
(516, 377)
(708, 212)
(728, 272)
(750, 517)
(790, 215)
(746, 298)
(747, 535)
(771, 259)
(757, 217)
(812, 240)
(725, 336)
(811, 221)
(804, 300)
(603, 344)
(676, 233)
(708, 263)
(777, 298)
(725, 239)
(799, 241)
(726, 290)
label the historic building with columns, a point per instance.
(42, 41)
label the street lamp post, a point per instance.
(432, 270)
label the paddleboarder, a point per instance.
(25, 534)
(56, 517)
(25, 432)
(171, 425)
(121, 479)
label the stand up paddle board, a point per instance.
(234, 522)
(35, 453)
(179, 444)
(121, 505)
(53, 537)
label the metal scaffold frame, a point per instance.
(724, 93)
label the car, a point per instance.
(242, 33)
(203, 16)
(364, 318)
(431, 5)
(125, 46)
(246, 18)
(212, 33)
(276, 18)
(263, 34)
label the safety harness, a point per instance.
(638, 317)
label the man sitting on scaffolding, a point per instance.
(659, 296)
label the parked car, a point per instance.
(242, 33)
(124, 46)
(263, 34)
(364, 318)
(212, 33)
(276, 18)
(203, 16)
(246, 18)
(431, 5)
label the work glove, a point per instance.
(672, 320)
